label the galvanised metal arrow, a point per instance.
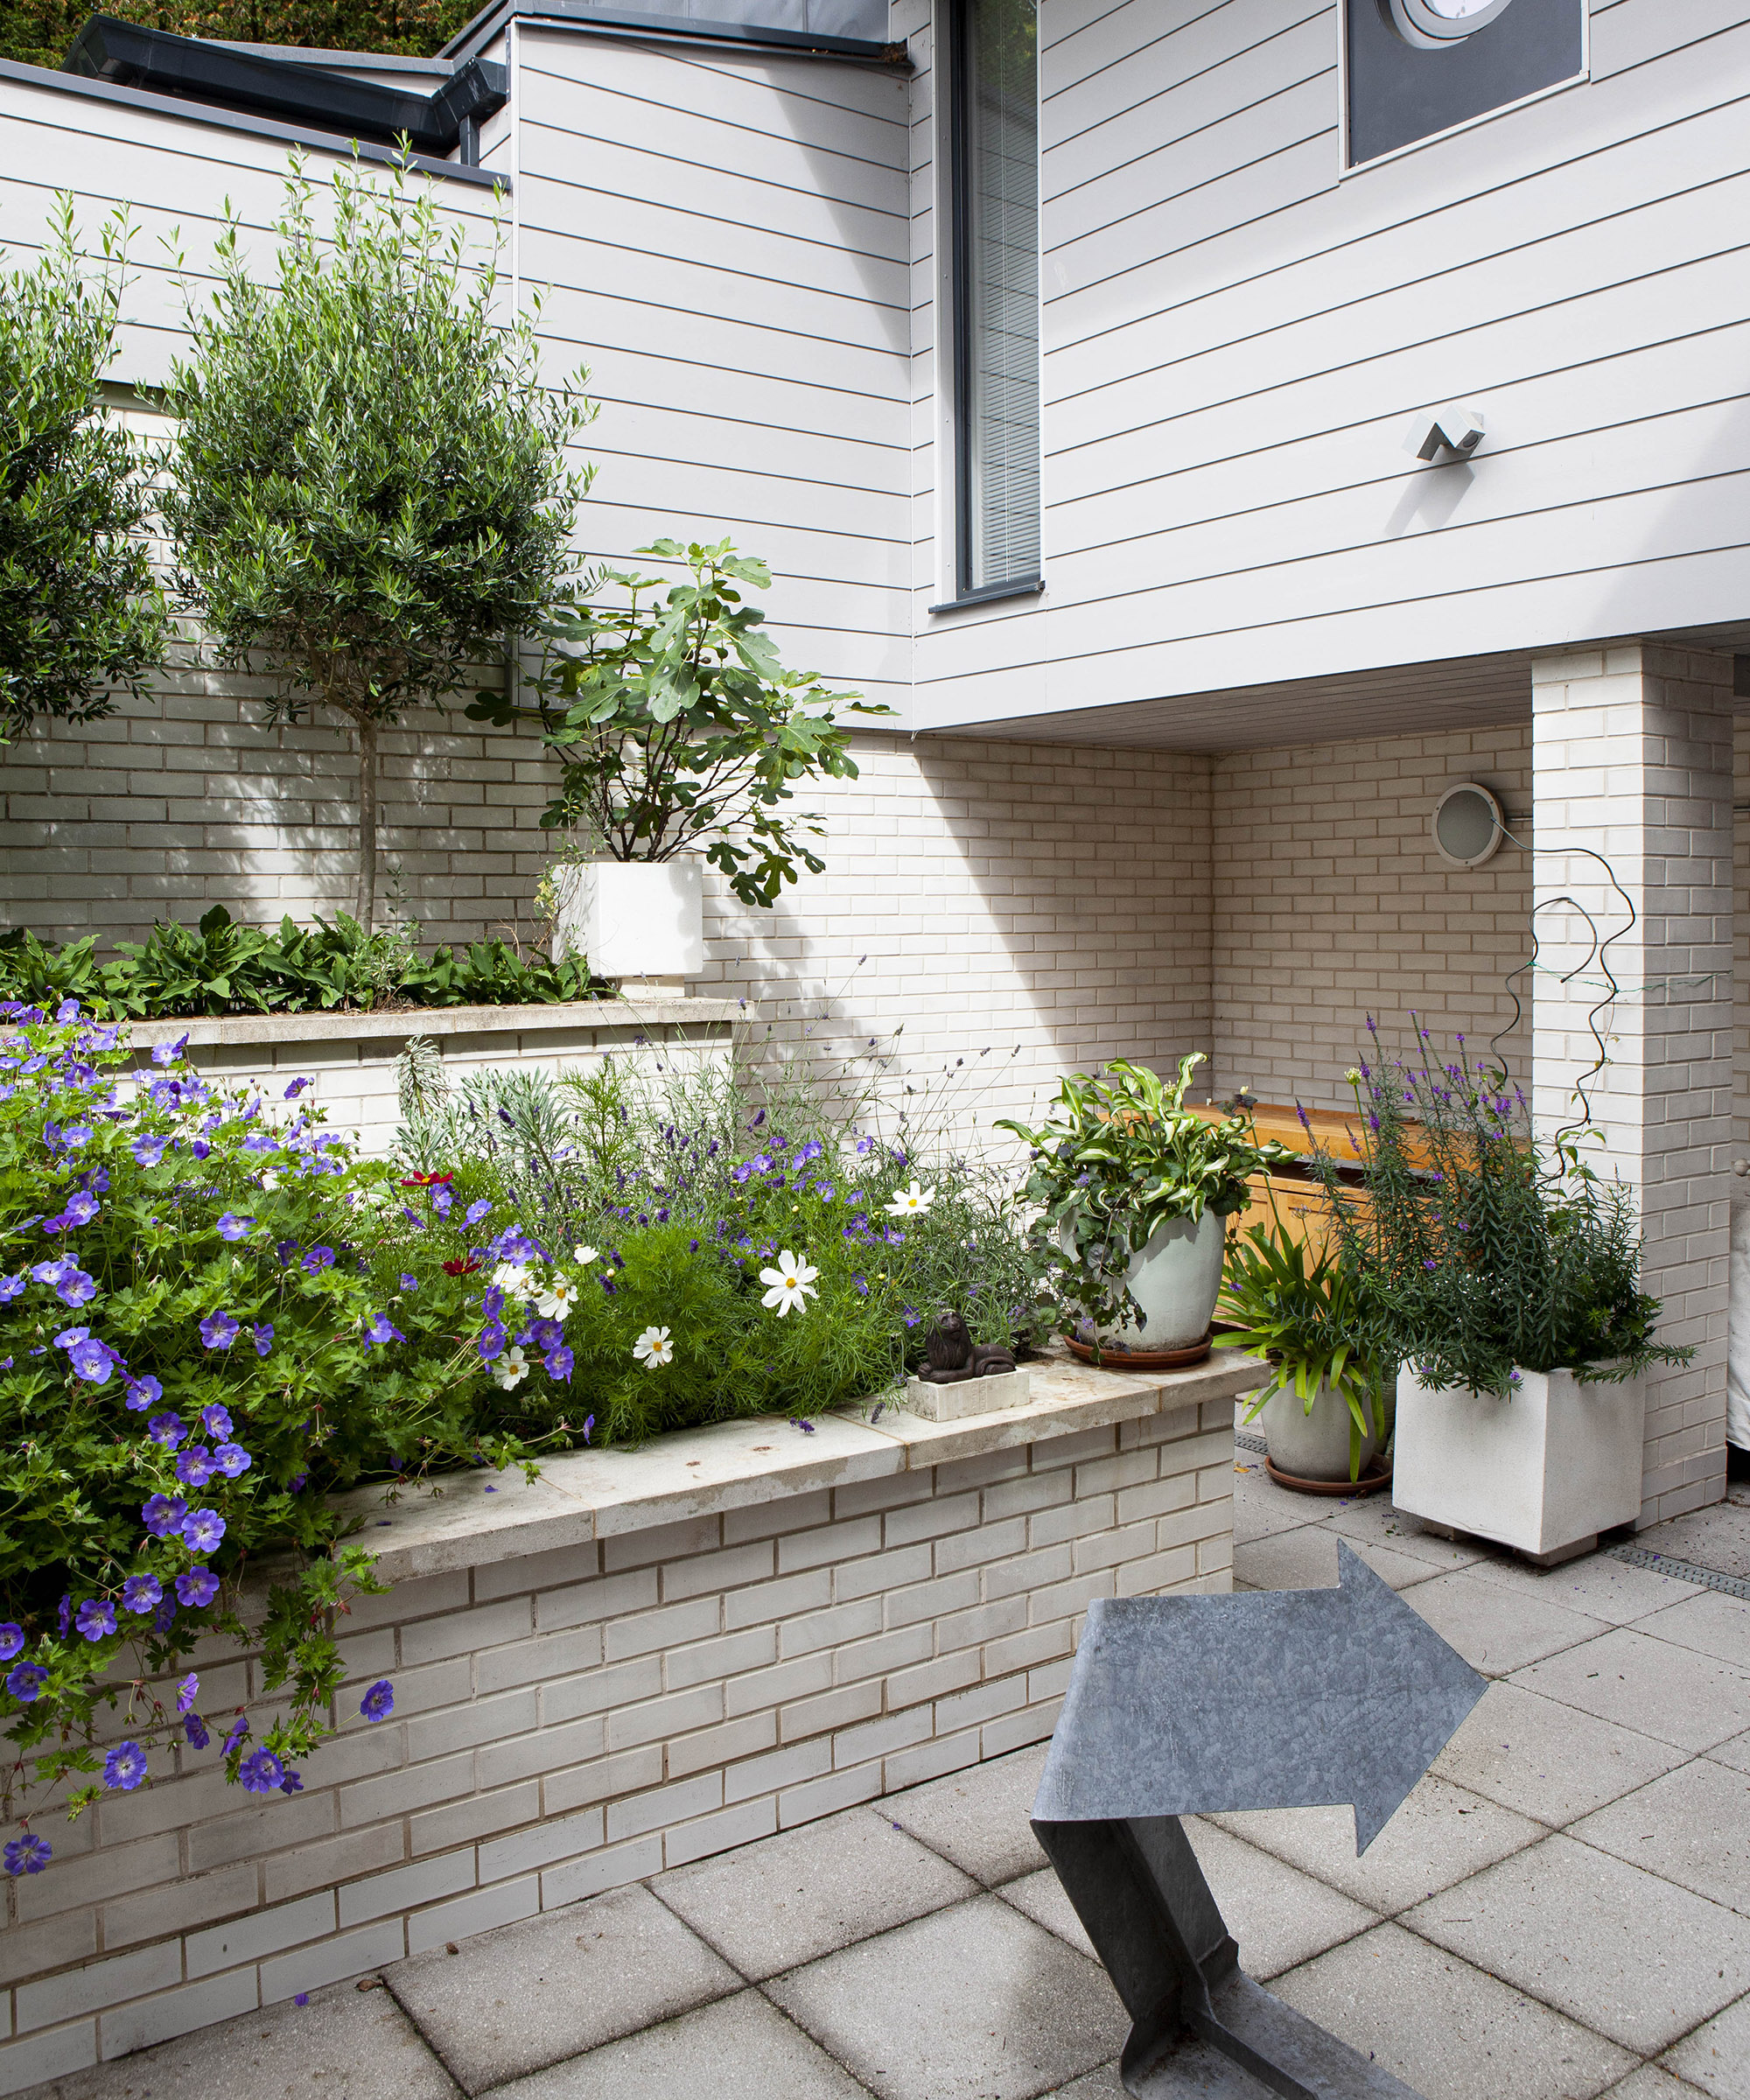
(1180, 1705)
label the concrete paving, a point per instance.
(1560, 1911)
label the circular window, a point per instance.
(1466, 826)
(1443, 25)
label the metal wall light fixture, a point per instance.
(1466, 826)
(1441, 25)
(1454, 433)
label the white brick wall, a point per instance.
(581, 1717)
(1331, 903)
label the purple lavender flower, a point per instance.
(96, 1618)
(231, 1460)
(27, 1855)
(11, 1639)
(125, 1766)
(378, 1702)
(231, 1227)
(218, 1331)
(163, 1514)
(201, 1531)
(197, 1587)
(195, 1729)
(261, 1772)
(382, 1330)
(141, 1593)
(24, 1681)
(166, 1429)
(195, 1468)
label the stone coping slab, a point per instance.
(473, 1519)
(249, 1029)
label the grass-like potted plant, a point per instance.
(1304, 1312)
(1137, 1189)
(1503, 1276)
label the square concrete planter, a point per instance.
(971, 1396)
(636, 920)
(1543, 1469)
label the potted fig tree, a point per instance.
(1503, 1275)
(1138, 1188)
(679, 738)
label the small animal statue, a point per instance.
(953, 1355)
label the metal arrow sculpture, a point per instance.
(1181, 1706)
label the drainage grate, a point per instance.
(1244, 1441)
(1683, 1570)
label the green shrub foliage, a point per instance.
(38, 33)
(81, 616)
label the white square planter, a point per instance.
(636, 919)
(993, 1396)
(1543, 1469)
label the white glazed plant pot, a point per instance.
(637, 919)
(1543, 1468)
(1315, 1447)
(1175, 1279)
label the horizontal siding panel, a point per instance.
(746, 399)
(825, 463)
(702, 487)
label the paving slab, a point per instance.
(1442, 1834)
(1716, 2056)
(1735, 1754)
(1672, 1694)
(1691, 1827)
(1041, 1898)
(1710, 1621)
(739, 2049)
(1601, 1587)
(1449, 2031)
(1279, 1915)
(1103, 2084)
(515, 2000)
(976, 2003)
(1498, 1630)
(1373, 1521)
(1547, 1761)
(1717, 1537)
(784, 1901)
(1649, 2083)
(1306, 1560)
(1634, 1957)
(1261, 1509)
(978, 1819)
(344, 2044)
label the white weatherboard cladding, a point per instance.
(726, 241)
(1236, 339)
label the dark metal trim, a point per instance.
(990, 594)
(688, 28)
(250, 127)
(127, 55)
(960, 300)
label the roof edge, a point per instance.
(585, 20)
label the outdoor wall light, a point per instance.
(1455, 431)
(1466, 826)
(1441, 25)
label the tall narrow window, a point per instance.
(995, 171)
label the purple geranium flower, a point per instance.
(125, 1766)
(80, 1210)
(92, 1360)
(27, 1855)
(296, 1089)
(149, 1149)
(476, 1211)
(76, 1133)
(24, 1681)
(231, 1460)
(378, 1702)
(142, 1392)
(240, 1728)
(318, 1259)
(261, 1772)
(167, 1054)
(163, 1514)
(195, 1729)
(264, 1333)
(195, 1468)
(141, 1593)
(216, 1420)
(197, 1587)
(218, 1331)
(167, 1429)
(188, 1693)
(558, 1363)
(11, 1639)
(383, 1330)
(231, 1227)
(96, 1618)
(75, 1288)
(492, 1341)
(10, 1286)
(201, 1531)
(291, 1782)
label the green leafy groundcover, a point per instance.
(180, 972)
(212, 1315)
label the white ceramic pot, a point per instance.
(1175, 1280)
(636, 919)
(1315, 1447)
(1543, 1468)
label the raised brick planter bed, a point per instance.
(637, 1659)
(351, 1057)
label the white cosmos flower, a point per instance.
(558, 1298)
(583, 1255)
(513, 1278)
(911, 1202)
(271, 1180)
(654, 1349)
(791, 1282)
(511, 1368)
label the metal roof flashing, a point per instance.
(810, 28)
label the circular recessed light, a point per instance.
(1443, 25)
(1466, 826)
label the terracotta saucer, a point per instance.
(1378, 1475)
(1115, 1359)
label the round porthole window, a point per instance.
(1443, 25)
(1466, 826)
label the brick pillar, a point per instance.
(1632, 757)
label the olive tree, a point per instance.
(82, 618)
(370, 492)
